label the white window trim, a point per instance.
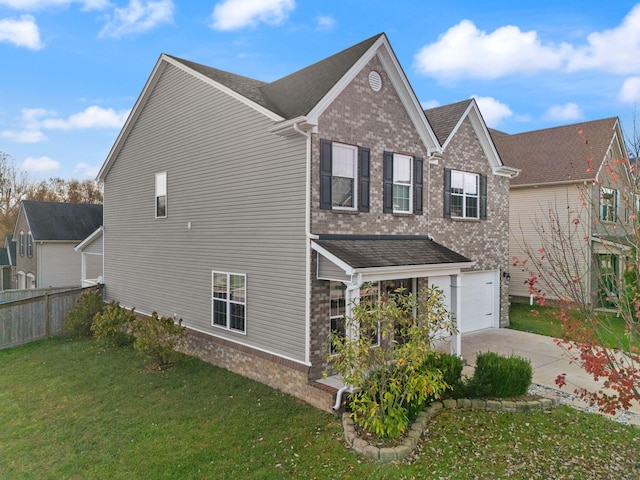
(410, 184)
(228, 301)
(616, 205)
(465, 195)
(354, 200)
(21, 249)
(29, 245)
(158, 195)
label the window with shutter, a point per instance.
(465, 195)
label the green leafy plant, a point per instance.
(157, 339)
(499, 376)
(80, 318)
(113, 326)
(392, 377)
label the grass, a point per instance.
(545, 321)
(70, 409)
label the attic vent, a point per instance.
(375, 81)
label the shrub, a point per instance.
(157, 339)
(449, 365)
(113, 326)
(391, 379)
(80, 318)
(499, 376)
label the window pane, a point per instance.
(401, 198)
(236, 321)
(220, 285)
(161, 184)
(337, 299)
(472, 207)
(471, 184)
(457, 182)
(342, 192)
(220, 312)
(237, 290)
(456, 205)
(401, 169)
(344, 161)
(161, 206)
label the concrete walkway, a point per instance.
(547, 359)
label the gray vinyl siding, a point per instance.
(328, 270)
(95, 247)
(529, 211)
(59, 265)
(241, 189)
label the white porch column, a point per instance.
(456, 311)
(351, 295)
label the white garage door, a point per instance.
(480, 300)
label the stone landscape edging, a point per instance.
(409, 442)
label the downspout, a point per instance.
(307, 230)
(348, 388)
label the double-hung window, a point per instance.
(337, 310)
(230, 301)
(608, 204)
(402, 183)
(344, 175)
(161, 195)
(21, 244)
(29, 245)
(465, 195)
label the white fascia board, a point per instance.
(376, 274)
(383, 50)
(133, 116)
(348, 270)
(89, 240)
(156, 73)
(241, 98)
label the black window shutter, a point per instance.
(418, 185)
(483, 197)
(387, 187)
(446, 201)
(325, 174)
(364, 175)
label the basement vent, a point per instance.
(375, 81)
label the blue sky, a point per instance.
(73, 69)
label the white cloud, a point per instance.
(326, 23)
(22, 32)
(566, 112)
(615, 51)
(235, 14)
(92, 117)
(630, 91)
(42, 164)
(31, 5)
(466, 51)
(84, 170)
(24, 136)
(138, 16)
(493, 111)
(426, 105)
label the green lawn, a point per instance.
(545, 321)
(69, 409)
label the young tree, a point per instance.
(587, 260)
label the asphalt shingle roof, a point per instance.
(297, 93)
(362, 251)
(556, 154)
(443, 119)
(62, 221)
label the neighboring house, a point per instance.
(576, 173)
(257, 212)
(7, 264)
(91, 249)
(46, 234)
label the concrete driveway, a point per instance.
(547, 359)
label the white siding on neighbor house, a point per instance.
(93, 266)
(235, 203)
(59, 265)
(529, 210)
(95, 247)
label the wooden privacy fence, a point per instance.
(35, 318)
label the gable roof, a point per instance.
(447, 119)
(51, 221)
(291, 99)
(558, 154)
(10, 247)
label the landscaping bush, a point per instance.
(157, 339)
(80, 318)
(499, 376)
(449, 365)
(113, 326)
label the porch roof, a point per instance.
(387, 256)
